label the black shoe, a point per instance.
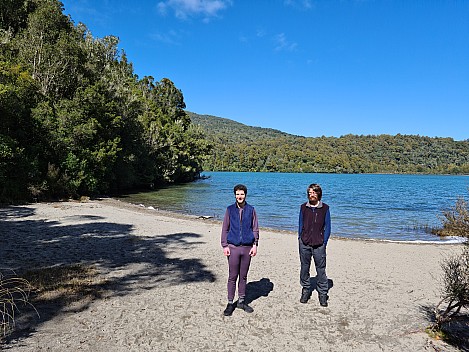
(323, 300)
(244, 306)
(229, 309)
(305, 295)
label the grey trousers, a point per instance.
(318, 253)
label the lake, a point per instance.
(365, 206)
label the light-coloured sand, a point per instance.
(167, 279)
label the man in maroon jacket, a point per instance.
(314, 231)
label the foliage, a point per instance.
(456, 220)
(455, 295)
(237, 147)
(76, 120)
(13, 291)
(455, 292)
(17, 153)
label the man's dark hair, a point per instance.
(241, 188)
(316, 188)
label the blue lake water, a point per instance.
(367, 206)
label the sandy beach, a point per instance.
(158, 283)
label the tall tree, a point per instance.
(49, 47)
(17, 132)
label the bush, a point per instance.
(13, 291)
(455, 221)
(455, 293)
(456, 287)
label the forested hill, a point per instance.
(232, 130)
(74, 117)
(238, 147)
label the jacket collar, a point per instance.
(319, 205)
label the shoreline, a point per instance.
(451, 241)
(159, 283)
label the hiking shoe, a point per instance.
(229, 309)
(244, 306)
(305, 295)
(323, 300)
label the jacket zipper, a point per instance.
(240, 227)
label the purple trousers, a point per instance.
(238, 264)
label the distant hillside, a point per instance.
(238, 147)
(233, 130)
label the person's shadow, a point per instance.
(314, 284)
(256, 289)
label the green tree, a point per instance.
(49, 47)
(17, 131)
(76, 119)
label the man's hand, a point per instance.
(253, 251)
(226, 251)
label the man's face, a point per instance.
(312, 196)
(240, 196)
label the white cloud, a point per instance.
(282, 44)
(243, 39)
(172, 37)
(260, 33)
(184, 9)
(301, 4)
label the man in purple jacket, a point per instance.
(239, 238)
(314, 231)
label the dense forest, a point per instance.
(238, 147)
(74, 117)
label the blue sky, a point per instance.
(305, 67)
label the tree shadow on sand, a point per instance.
(88, 261)
(257, 289)
(456, 331)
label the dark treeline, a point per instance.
(238, 147)
(75, 119)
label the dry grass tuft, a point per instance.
(65, 284)
(46, 289)
(14, 291)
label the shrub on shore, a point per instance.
(13, 291)
(455, 220)
(456, 287)
(451, 312)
